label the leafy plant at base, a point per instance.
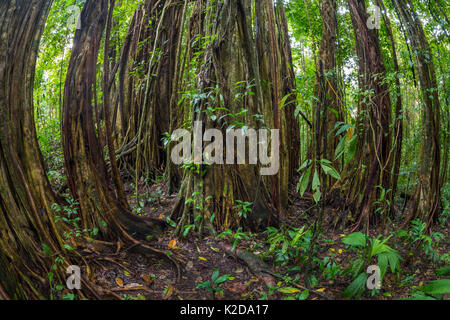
(243, 208)
(287, 245)
(330, 268)
(383, 203)
(234, 237)
(435, 290)
(417, 239)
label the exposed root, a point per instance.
(145, 249)
(3, 295)
(259, 267)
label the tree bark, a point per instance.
(146, 84)
(373, 165)
(398, 121)
(26, 218)
(327, 111)
(89, 182)
(427, 196)
(234, 62)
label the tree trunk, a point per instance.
(398, 121)
(427, 196)
(373, 166)
(243, 74)
(26, 218)
(327, 111)
(146, 84)
(100, 204)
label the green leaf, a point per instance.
(283, 101)
(288, 290)
(325, 161)
(328, 169)
(69, 296)
(394, 260)
(46, 249)
(67, 247)
(343, 128)
(204, 285)
(304, 181)
(304, 165)
(420, 296)
(187, 229)
(378, 247)
(316, 181)
(389, 257)
(317, 195)
(297, 236)
(222, 279)
(304, 295)
(356, 239)
(444, 271)
(215, 275)
(402, 234)
(340, 148)
(383, 263)
(171, 223)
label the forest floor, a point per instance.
(134, 276)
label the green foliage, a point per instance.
(69, 296)
(243, 208)
(357, 287)
(346, 147)
(418, 240)
(49, 139)
(444, 271)
(234, 237)
(437, 287)
(366, 249)
(286, 286)
(445, 198)
(287, 245)
(303, 183)
(69, 215)
(356, 239)
(330, 268)
(284, 245)
(382, 203)
(215, 285)
(298, 294)
(435, 290)
(58, 261)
